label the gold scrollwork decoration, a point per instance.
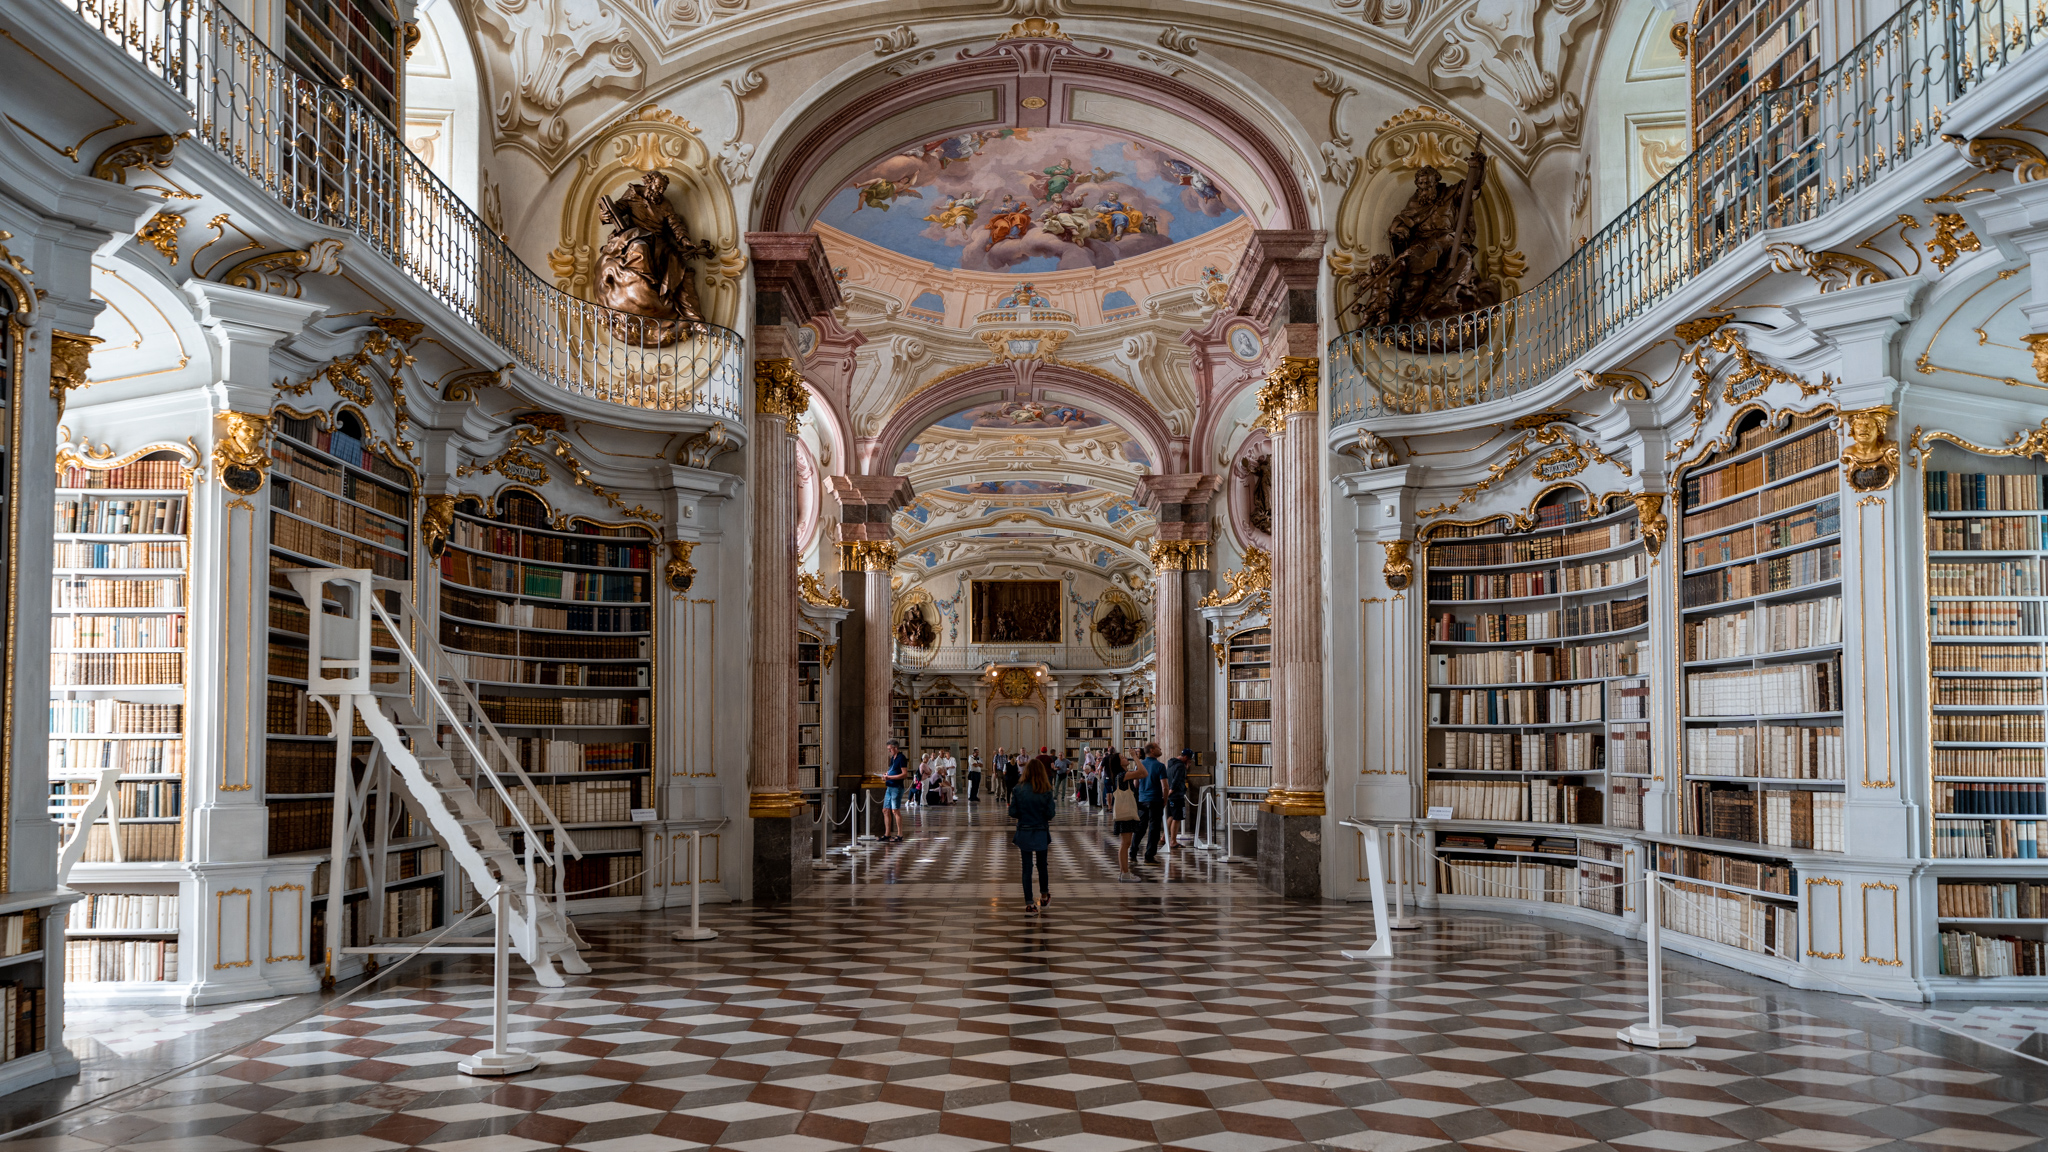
(1870, 457)
(1625, 385)
(1398, 568)
(700, 450)
(1044, 344)
(830, 652)
(1255, 576)
(1650, 515)
(1700, 327)
(70, 356)
(1179, 555)
(1950, 240)
(161, 233)
(814, 592)
(1996, 153)
(1831, 270)
(2028, 442)
(468, 384)
(152, 152)
(2038, 343)
(278, 272)
(515, 463)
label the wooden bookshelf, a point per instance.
(1137, 718)
(899, 720)
(1750, 902)
(1088, 722)
(1538, 708)
(353, 44)
(810, 720)
(1742, 50)
(942, 724)
(552, 619)
(1986, 783)
(1550, 869)
(118, 638)
(1760, 637)
(1248, 723)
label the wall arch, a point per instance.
(991, 383)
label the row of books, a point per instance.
(140, 556)
(134, 757)
(1628, 748)
(1784, 498)
(1628, 700)
(565, 710)
(1580, 702)
(1720, 868)
(1990, 799)
(1801, 455)
(1769, 751)
(1249, 730)
(120, 961)
(299, 464)
(24, 1010)
(1967, 692)
(300, 825)
(1817, 521)
(1971, 954)
(96, 669)
(291, 616)
(1761, 577)
(491, 610)
(1536, 801)
(1788, 818)
(116, 592)
(1988, 617)
(1534, 549)
(572, 801)
(144, 799)
(599, 877)
(1987, 839)
(126, 516)
(1986, 534)
(343, 446)
(1986, 658)
(1998, 900)
(1510, 880)
(511, 670)
(1526, 752)
(1508, 842)
(1733, 918)
(1986, 762)
(541, 645)
(588, 840)
(1537, 665)
(1261, 689)
(151, 842)
(354, 519)
(126, 912)
(1987, 577)
(539, 754)
(399, 864)
(1977, 491)
(411, 911)
(1606, 573)
(109, 716)
(1989, 727)
(503, 541)
(527, 579)
(1764, 629)
(1250, 775)
(287, 711)
(1493, 585)
(139, 474)
(293, 767)
(1778, 690)
(166, 631)
(1571, 620)
(331, 547)
(1567, 511)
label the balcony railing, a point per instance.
(320, 152)
(1791, 156)
(1058, 657)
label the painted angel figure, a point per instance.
(1067, 220)
(880, 193)
(1057, 179)
(956, 212)
(1116, 217)
(1188, 176)
(1010, 218)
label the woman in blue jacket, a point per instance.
(1032, 806)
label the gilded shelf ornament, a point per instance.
(70, 355)
(1564, 457)
(1255, 576)
(1398, 570)
(278, 272)
(779, 391)
(1650, 514)
(812, 588)
(161, 233)
(1295, 802)
(774, 805)
(1996, 153)
(826, 654)
(1950, 240)
(1870, 458)
(1220, 652)
(1831, 270)
(437, 523)
(515, 463)
(2039, 343)
(1695, 330)
(240, 456)
(141, 152)
(679, 573)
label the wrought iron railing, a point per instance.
(1791, 156)
(322, 153)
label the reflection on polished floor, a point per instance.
(1211, 1018)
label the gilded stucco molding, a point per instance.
(1870, 457)
(1398, 568)
(278, 272)
(779, 391)
(70, 356)
(240, 457)
(1255, 576)
(812, 588)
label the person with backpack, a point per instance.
(1124, 810)
(1033, 806)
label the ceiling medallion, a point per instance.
(1033, 102)
(1035, 28)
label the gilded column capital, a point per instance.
(779, 390)
(1295, 802)
(775, 805)
(1179, 555)
(869, 555)
(1292, 386)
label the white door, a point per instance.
(1017, 728)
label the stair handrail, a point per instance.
(324, 154)
(1785, 158)
(563, 841)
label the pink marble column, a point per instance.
(1288, 407)
(772, 775)
(876, 558)
(1169, 602)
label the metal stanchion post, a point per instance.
(1655, 1033)
(825, 806)
(499, 1059)
(867, 804)
(695, 931)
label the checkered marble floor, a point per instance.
(1205, 1019)
(128, 1031)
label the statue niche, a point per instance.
(1256, 472)
(914, 630)
(1118, 627)
(1431, 270)
(643, 270)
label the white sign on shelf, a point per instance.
(643, 815)
(1439, 812)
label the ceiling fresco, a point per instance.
(1030, 200)
(1041, 430)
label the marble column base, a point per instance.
(782, 857)
(1291, 855)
